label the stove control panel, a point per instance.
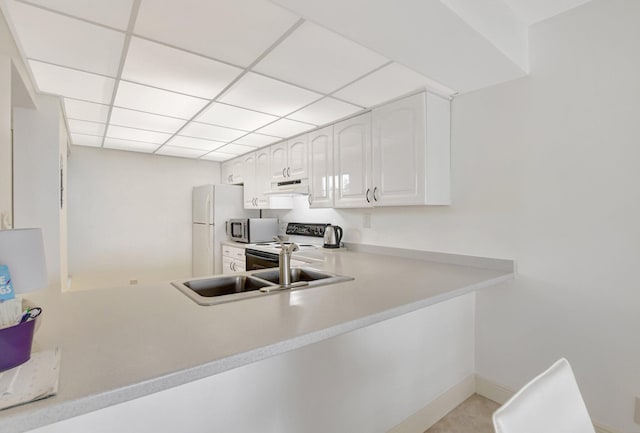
(306, 229)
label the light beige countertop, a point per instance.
(123, 343)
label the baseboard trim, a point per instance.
(500, 394)
(438, 408)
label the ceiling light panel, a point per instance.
(267, 95)
(148, 121)
(234, 117)
(86, 110)
(235, 31)
(112, 13)
(194, 143)
(135, 146)
(257, 140)
(387, 83)
(324, 111)
(168, 68)
(285, 128)
(319, 59)
(235, 149)
(71, 83)
(157, 101)
(86, 140)
(180, 151)
(84, 127)
(65, 41)
(136, 134)
(211, 132)
(218, 156)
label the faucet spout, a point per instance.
(284, 261)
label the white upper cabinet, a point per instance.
(321, 168)
(411, 151)
(232, 171)
(250, 188)
(397, 155)
(257, 183)
(262, 179)
(352, 161)
(289, 159)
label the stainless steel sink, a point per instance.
(300, 277)
(219, 289)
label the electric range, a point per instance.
(308, 236)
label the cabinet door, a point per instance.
(227, 267)
(226, 170)
(249, 181)
(352, 161)
(297, 158)
(321, 168)
(399, 152)
(278, 161)
(262, 178)
(237, 170)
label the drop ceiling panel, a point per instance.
(194, 143)
(157, 101)
(183, 152)
(71, 83)
(135, 146)
(234, 117)
(211, 132)
(86, 140)
(267, 95)
(84, 127)
(112, 13)
(218, 156)
(385, 84)
(257, 140)
(65, 41)
(86, 110)
(285, 128)
(151, 122)
(235, 149)
(243, 28)
(136, 134)
(319, 59)
(168, 68)
(324, 111)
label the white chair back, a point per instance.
(549, 403)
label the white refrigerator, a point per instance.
(213, 205)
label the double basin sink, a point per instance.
(228, 288)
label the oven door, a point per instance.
(260, 260)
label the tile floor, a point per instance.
(472, 416)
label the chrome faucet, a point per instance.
(284, 261)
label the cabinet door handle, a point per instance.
(309, 198)
(230, 178)
(288, 171)
(374, 193)
(232, 265)
(284, 172)
(366, 195)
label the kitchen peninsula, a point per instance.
(343, 357)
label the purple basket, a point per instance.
(15, 344)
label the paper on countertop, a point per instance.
(34, 380)
(10, 312)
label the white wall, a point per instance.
(546, 170)
(367, 380)
(130, 216)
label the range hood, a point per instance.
(290, 187)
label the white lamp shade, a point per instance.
(22, 250)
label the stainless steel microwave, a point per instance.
(252, 230)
